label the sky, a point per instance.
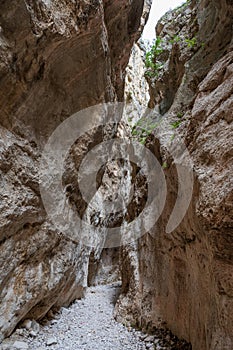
(158, 9)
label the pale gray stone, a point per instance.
(20, 345)
(51, 341)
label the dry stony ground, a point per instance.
(88, 324)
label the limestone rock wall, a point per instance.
(56, 57)
(183, 280)
(106, 269)
(136, 87)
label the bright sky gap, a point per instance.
(158, 9)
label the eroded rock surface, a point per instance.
(56, 57)
(136, 86)
(183, 280)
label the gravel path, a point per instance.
(87, 324)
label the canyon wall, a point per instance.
(56, 58)
(182, 280)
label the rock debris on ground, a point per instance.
(88, 324)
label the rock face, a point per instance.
(136, 86)
(56, 57)
(104, 270)
(183, 280)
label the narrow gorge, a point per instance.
(116, 165)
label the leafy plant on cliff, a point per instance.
(142, 129)
(152, 62)
(191, 42)
(175, 39)
(152, 66)
(178, 121)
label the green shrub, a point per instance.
(142, 129)
(180, 115)
(175, 39)
(191, 42)
(177, 122)
(152, 66)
